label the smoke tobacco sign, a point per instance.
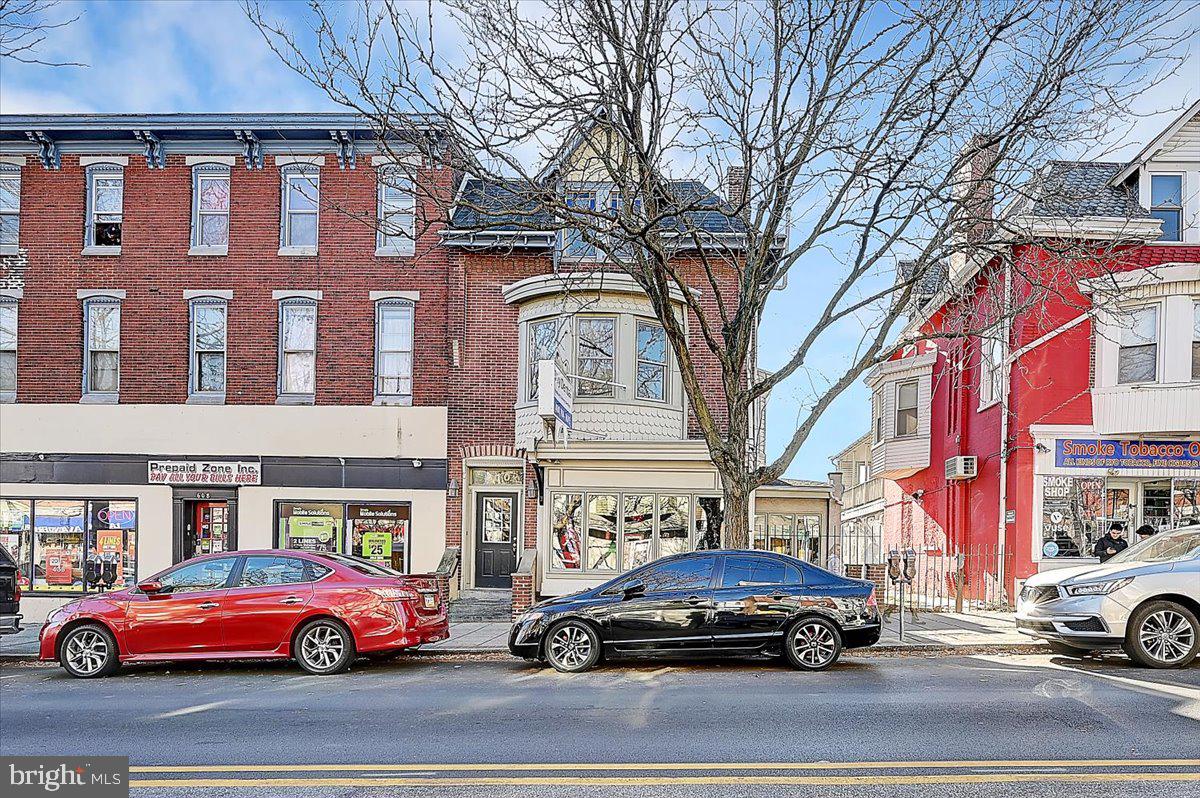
(1109, 453)
(66, 776)
(204, 472)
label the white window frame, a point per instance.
(1124, 326)
(94, 172)
(290, 173)
(877, 422)
(292, 397)
(616, 348)
(531, 365)
(90, 305)
(392, 177)
(200, 173)
(574, 246)
(991, 369)
(1176, 209)
(916, 383)
(394, 397)
(639, 361)
(194, 351)
(1195, 338)
(8, 395)
(11, 172)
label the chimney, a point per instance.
(835, 480)
(975, 188)
(735, 187)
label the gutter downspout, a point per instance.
(1005, 381)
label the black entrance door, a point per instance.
(495, 539)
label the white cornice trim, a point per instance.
(12, 293)
(1151, 275)
(295, 294)
(412, 296)
(88, 160)
(391, 160)
(198, 160)
(108, 293)
(920, 364)
(1101, 228)
(637, 451)
(14, 160)
(567, 283)
(1155, 145)
(208, 293)
(287, 160)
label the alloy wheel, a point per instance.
(571, 646)
(87, 652)
(814, 644)
(1167, 636)
(322, 646)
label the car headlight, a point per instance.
(530, 617)
(1097, 588)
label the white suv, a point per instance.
(1145, 600)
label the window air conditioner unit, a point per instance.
(962, 467)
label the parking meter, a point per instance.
(910, 565)
(893, 565)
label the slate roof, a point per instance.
(1068, 189)
(506, 206)
(929, 283)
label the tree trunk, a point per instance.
(737, 515)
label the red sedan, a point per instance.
(320, 609)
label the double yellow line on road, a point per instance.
(651, 773)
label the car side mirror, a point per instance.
(633, 590)
(150, 587)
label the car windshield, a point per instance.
(1182, 544)
(358, 564)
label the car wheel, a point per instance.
(1064, 650)
(572, 647)
(813, 644)
(89, 652)
(1163, 634)
(324, 647)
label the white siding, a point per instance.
(897, 457)
(1184, 145)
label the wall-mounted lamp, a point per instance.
(452, 488)
(1041, 447)
(531, 489)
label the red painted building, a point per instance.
(1082, 407)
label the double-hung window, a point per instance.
(393, 350)
(877, 408)
(574, 245)
(906, 408)
(991, 373)
(1137, 359)
(301, 199)
(209, 332)
(1166, 203)
(1196, 340)
(651, 361)
(8, 350)
(597, 339)
(102, 343)
(10, 208)
(297, 348)
(397, 213)
(105, 206)
(210, 208)
(543, 345)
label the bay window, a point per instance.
(651, 361)
(394, 349)
(1166, 204)
(1137, 358)
(105, 206)
(210, 208)
(208, 342)
(595, 355)
(906, 408)
(102, 344)
(297, 348)
(543, 345)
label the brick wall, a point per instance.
(154, 269)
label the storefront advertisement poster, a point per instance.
(377, 547)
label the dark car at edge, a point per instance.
(705, 603)
(10, 594)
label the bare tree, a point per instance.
(863, 144)
(24, 26)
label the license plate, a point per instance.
(430, 602)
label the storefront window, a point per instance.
(639, 530)
(567, 529)
(16, 534)
(58, 531)
(673, 525)
(112, 545)
(1186, 502)
(1072, 509)
(310, 526)
(379, 533)
(602, 532)
(708, 522)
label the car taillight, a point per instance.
(871, 602)
(16, 591)
(395, 593)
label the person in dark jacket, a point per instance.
(1144, 532)
(1112, 543)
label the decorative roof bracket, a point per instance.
(251, 148)
(48, 152)
(156, 158)
(345, 145)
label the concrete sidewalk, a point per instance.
(927, 630)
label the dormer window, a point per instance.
(574, 245)
(1166, 204)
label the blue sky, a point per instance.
(192, 55)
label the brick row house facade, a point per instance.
(234, 331)
(1079, 409)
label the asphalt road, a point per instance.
(1002, 725)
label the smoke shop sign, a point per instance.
(204, 472)
(1109, 453)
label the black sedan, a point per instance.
(735, 603)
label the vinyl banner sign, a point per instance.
(1111, 453)
(204, 472)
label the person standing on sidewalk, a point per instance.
(835, 564)
(1113, 543)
